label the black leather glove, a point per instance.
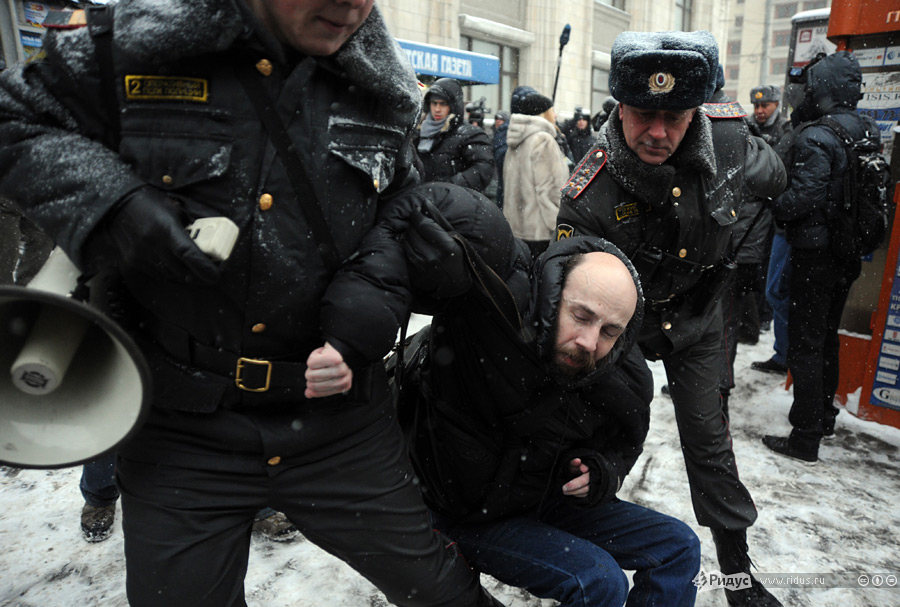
(437, 264)
(148, 232)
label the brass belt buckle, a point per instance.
(241, 363)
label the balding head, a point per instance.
(598, 300)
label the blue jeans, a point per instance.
(576, 555)
(778, 294)
(98, 482)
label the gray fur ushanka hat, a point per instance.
(664, 70)
(766, 93)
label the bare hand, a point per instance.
(580, 485)
(326, 373)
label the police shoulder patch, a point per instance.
(732, 109)
(564, 231)
(65, 20)
(585, 173)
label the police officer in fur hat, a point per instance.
(663, 184)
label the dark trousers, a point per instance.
(740, 316)
(191, 485)
(819, 287)
(98, 481)
(719, 497)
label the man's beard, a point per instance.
(582, 362)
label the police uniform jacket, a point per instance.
(189, 129)
(493, 428)
(674, 220)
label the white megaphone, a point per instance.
(73, 384)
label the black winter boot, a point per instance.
(97, 522)
(731, 549)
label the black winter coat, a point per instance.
(462, 153)
(350, 117)
(818, 160)
(756, 213)
(494, 431)
(580, 141)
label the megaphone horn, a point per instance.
(73, 384)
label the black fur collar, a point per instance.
(651, 183)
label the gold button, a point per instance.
(676, 192)
(667, 325)
(274, 461)
(265, 202)
(599, 155)
(258, 327)
(375, 183)
(733, 213)
(167, 179)
(264, 67)
(682, 253)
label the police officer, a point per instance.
(776, 130)
(269, 387)
(664, 185)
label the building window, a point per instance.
(785, 11)
(809, 6)
(781, 38)
(733, 73)
(734, 49)
(683, 9)
(619, 4)
(739, 21)
(496, 95)
(599, 88)
(778, 67)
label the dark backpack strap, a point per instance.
(100, 26)
(268, 115)
(848, 141)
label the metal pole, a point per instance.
(563, 41)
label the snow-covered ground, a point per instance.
(838, 516)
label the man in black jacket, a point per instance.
(578, 134)
(776, 130)
(820, 278)
(154, 116)
(664, 185)
(525, 431)
(452, 150)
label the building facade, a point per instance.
(758, 43)
(525, 36)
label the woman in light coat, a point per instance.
(534, 171)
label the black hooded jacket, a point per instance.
(817, 160)
(494, 430)
(462, 154)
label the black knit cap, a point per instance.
(526, 100)
(664, 70)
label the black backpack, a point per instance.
(858, 226)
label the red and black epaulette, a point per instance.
(65, 20)
(732, 109)
(585, 172)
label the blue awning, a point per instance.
(452, 63)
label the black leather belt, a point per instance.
(249, 374)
